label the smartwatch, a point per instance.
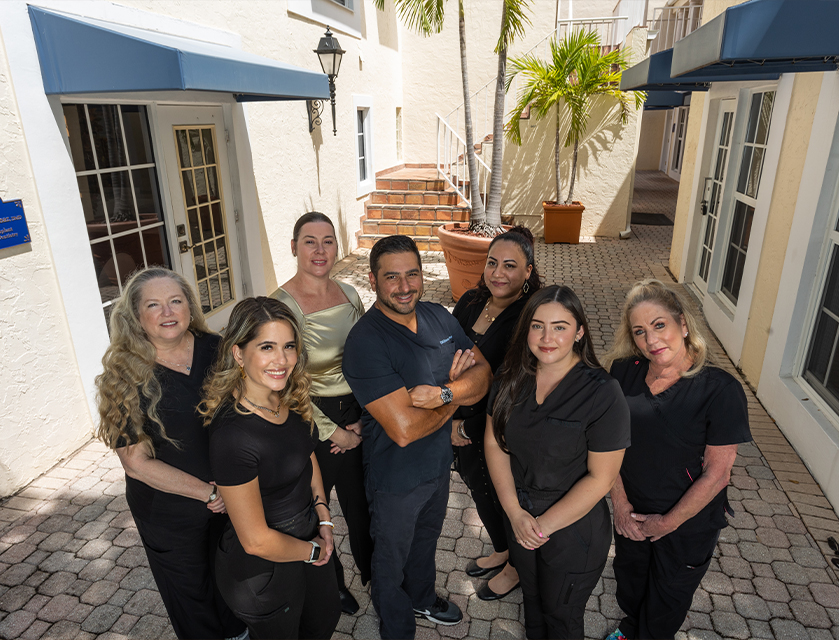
(213, 495)
(446, 394)
(315, 553)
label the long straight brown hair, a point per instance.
(516, 378)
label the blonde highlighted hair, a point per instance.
(226, 384)
(127, 390)
(673, 302)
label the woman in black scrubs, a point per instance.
(670, 498)
(488, 315)
(160, 353)
(556, 436)
(274, 564)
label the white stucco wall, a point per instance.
(43, 412)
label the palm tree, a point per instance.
(426, 17)
(577, 73)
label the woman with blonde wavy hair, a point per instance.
(161, 351)
(687, 418)
(274, 563)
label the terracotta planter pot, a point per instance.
(562, 221)
(465, 255)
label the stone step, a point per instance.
(387, 183)
(416, 212)
(389, 227)
(424, 243)
(429, 197)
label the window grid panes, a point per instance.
(821, 367)
(115, 168)
(723, 148)
(738, 246)
(204, 206)
(362, 151)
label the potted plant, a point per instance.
(577, 73)
(465, 246)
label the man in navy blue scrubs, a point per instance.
(410, 365)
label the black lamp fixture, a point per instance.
(330, 54)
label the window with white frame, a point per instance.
(821, 367)
(746, 192)
(398, 133)
(115, 167)
(364, 143)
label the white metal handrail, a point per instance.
(672, 24)
(452, 164)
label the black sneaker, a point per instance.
(441, 612)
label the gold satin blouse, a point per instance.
(324, 335)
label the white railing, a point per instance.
(671, 24)
(452, 163)
(483, 100)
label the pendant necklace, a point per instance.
(188, 367)
(275, 413)
(489, 318)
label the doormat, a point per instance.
(651, 218)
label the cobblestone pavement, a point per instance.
(655, 192)
(71, 564)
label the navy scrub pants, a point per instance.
(656, 580)
(405, 528)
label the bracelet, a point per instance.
(461, 432)
(326, 523)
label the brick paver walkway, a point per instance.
(655, 192)
(71, 565)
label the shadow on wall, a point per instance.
(317, 143)
(387, 27)
(604, 165)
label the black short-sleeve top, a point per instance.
(244, 447)
(669, 434)
(549, 442)
(180, 395)
(381, 356)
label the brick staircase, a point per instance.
(411, 200)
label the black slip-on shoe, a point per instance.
(474, 570)
(349, 604)
(485, 593)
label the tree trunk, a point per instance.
(573, 172)
(478, 215)
(493, 207)
(556, 160)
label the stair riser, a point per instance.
(383, 184)
(448, 215)
(392, 227)
(423, 243)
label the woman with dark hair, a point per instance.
(488, 315)
(160, 353)
(557, 429)
(670, 498)
(326, 310)
(273, 562)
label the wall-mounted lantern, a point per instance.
(330, 54)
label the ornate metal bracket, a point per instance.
(314, 108)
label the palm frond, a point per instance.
(423, 16)
(514, 22)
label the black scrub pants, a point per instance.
(277, 600)
(181, 557)
(405, 529)
(656, 580)
(470, 463)
(558, 577)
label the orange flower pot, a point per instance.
(465, 256)
(562, 222)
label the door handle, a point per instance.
(185, 246)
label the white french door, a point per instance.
(195, 151)
(677, 142)
(713, 200)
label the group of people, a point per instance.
(232, 445)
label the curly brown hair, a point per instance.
(127, 391)
(225, 384)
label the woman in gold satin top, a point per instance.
(326, 310)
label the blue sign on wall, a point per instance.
(13, 229)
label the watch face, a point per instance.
(446, 395)
(315, 553)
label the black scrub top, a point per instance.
(669, 434)
(549, 443)
(180, 395)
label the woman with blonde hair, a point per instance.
(669, 501)
(274, 563)
(161, 350)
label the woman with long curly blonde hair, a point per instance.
(161, 351)
(274, 563)
(687, 418)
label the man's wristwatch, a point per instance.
(315, 553)
(213, 495)
(446, 394)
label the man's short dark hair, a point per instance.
(392, 244)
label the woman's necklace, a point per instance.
(188, 367)
(488, 317)
(275, 413)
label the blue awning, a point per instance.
(84, 55)
(653, 74)
(762, 36)
(658, 100)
